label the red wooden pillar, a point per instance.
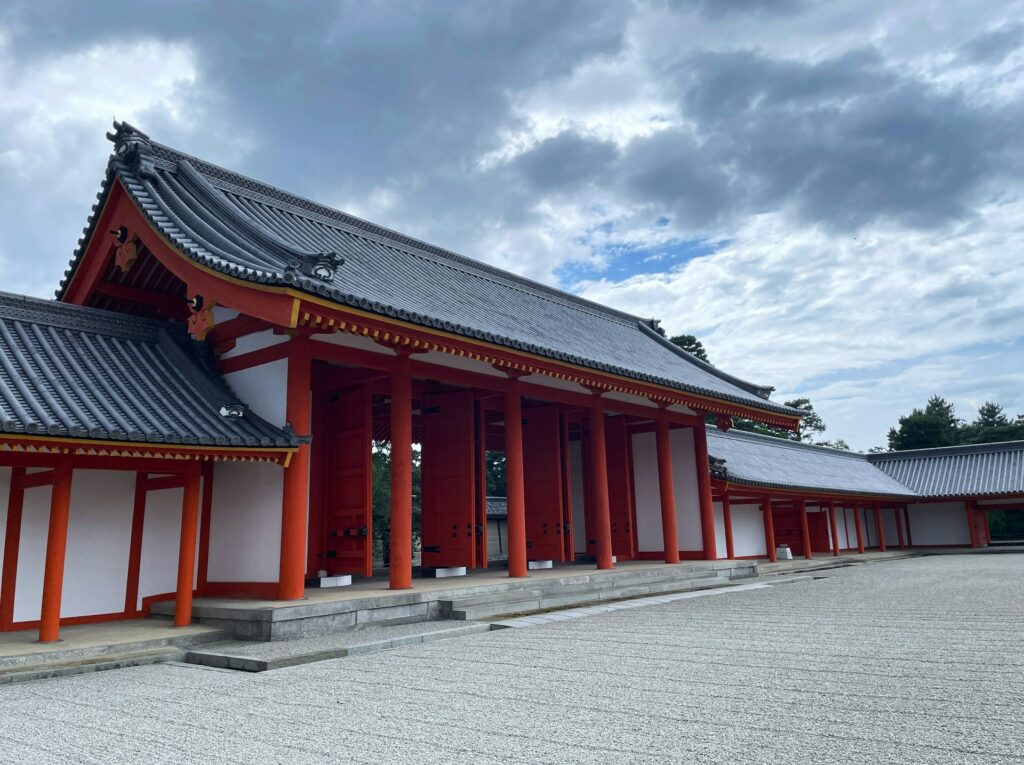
(805, 532)
(598, 475)
(834, 529)
(707, 509)
(730, 552)
(900, 541)
(295, 505)
(984, 521)
(668, 492)
(879, 527)
(858, 523)
(972, 525)
(906, 521)
(187, 549)
(56, 547)
(131, 590)
(769, 528)
(515, 489)
(400, 571)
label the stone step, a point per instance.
(47, 669)
(247, 656)
(508, 606)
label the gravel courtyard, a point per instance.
(907, 661)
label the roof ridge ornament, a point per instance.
(135, 148)
(322, 265)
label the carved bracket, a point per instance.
(200, 318)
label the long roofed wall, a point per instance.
(259, 234)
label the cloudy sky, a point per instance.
(830, 195)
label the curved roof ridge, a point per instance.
(783, 443)
(943, 451)
(81, 318)
(247, 185)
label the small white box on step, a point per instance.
(782, 552)
(343, 580)
(536, 565)
(442, 573)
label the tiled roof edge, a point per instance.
(781, 443)
(945, 451)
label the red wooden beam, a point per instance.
(170, 306)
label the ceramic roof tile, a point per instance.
(76, 372)
(958, 470)
(260, 234)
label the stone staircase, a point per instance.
(566, 593)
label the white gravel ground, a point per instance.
(909, 661)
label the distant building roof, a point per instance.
(766, 461)
(497, 507)
(257, 233)
(75, 372)
(955, 471)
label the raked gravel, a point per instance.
(909, 661)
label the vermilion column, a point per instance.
(906, 522)
(832, 525)
(668, 492)
(707, 509)
(879, 527)
(859, 525)
(730, 552)
(984, 521)
(187, 550)
(515, 491)
(56, 547)
(805, 532)
(400, 572)
(769, 528)
(295, 504)
(598, 475)
(899, 528)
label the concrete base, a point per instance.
(370, 602)
(443, 573)
(323, 582)
(538, 565)
(783, 553)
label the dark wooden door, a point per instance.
(348, 520)
(542, 482)
(448, 480)
(620, 488)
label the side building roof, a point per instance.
(956, 471)
(72, 372)
(769, 462)
(254, 232)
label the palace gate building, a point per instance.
(196, 414)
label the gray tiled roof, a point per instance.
(958, 470)
(497, 507)
(255, 232)
(770, 462)
(70, 371)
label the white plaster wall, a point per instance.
(264, 389)
(747, 531)
(5, 494)
(647, 493)
(35, 520)
(721, 550)
(939, 523)
(161, 533)
(684, 479)
(99, 542)
(579, 523)
(245, 528)
(254, 342)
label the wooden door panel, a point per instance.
(348, 516)
(448, 480)
(620, 488)
(542, 468)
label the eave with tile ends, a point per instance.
(345, 274)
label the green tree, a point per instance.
(495, 469)
(811, 426)
(935, 425)
(691, 345)
(380, 459)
